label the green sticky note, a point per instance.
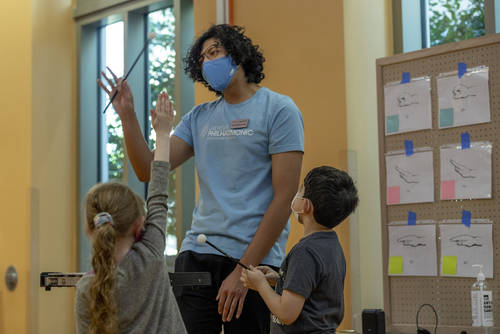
(392, 123)
(449, 265)
(395, 265)
(446, 117)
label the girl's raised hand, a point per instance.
(162, 118)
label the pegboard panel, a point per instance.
(450, 296)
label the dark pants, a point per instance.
(198, 305)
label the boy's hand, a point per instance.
(271, 275)
(162, 118)
(253, 278)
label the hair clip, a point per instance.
(102, 218)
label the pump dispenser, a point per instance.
(482, 302)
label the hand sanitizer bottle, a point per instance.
(482, 302)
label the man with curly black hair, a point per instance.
(227, 40)
(248, 147)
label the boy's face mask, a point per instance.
(297, 212)
(219, 72)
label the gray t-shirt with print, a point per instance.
(315, 268)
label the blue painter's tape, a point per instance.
(408, 147)
(405, 77)
(462, 69)
(412, 218)
(466, 215)
(465, 138)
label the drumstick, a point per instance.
(203, 239)
(151, 35)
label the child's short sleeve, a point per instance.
(303, 272)
(286, 129)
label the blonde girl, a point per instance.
(128, 289)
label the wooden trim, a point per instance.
(90, 7)
(440, 49)
(383, 209)
(34, 287)
(397, 26)
(489, 16)
(230, 7)
(99, 9)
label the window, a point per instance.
(441, 21)
(111, 148)
(161, 73)
(115, 41)
(455, 20)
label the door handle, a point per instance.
(11, 278)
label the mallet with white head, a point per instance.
(202, 239)
(151, 35)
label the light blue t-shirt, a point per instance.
(233, 162)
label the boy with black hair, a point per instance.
(309, 294)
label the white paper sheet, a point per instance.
(466, 173)
(408, 106)
(465, 100)
(470, 246)
(416, 245)
(410, 179)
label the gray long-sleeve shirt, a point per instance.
(144, 297)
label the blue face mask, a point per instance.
(219, 72)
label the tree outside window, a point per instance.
(161, 76)
(455, 20)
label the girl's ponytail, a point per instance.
(111, 210)
(103, 306)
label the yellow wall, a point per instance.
(15, 168)
(367, 33)
(306, 59)
(54, 172)
(37, 132)
(304, 49)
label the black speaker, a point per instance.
(373, 321)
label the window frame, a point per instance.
(134, 17)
